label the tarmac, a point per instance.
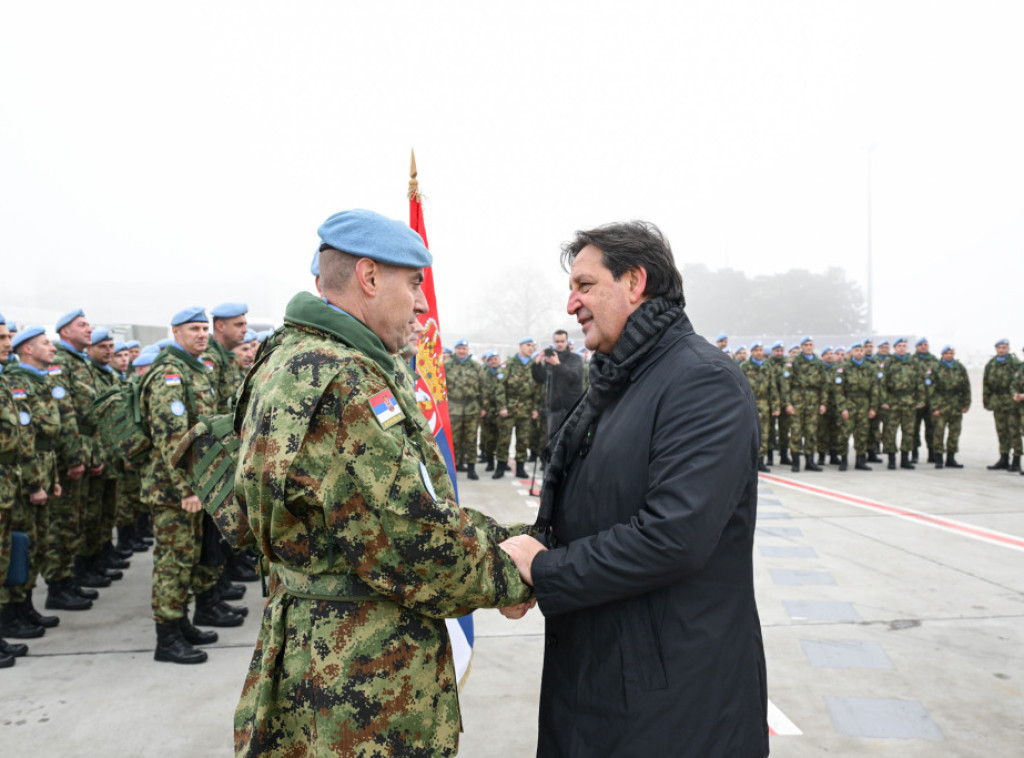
(891, 603)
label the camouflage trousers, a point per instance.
(99, 513)
(129, 503)
(523, 426)
(780, 426)
(64, 536)
(536, 438)
(464, 437)
(5, 535)
(176, 568)
(1008, 430)
(901, 417)
(858, 425)
(764, 418)
(951, 419)
(349, 679)
(492, 428)
(33, 521)
(875, 427)
(830, 429)
(803, 428)
(924, 416)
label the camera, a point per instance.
(549, 351)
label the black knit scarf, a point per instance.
(609, 376)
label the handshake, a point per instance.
(522, 549)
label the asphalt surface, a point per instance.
(893, 625)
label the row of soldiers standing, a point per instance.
(809, 406)
(61, 487)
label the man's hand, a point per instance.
(514, 612)
(522, 549)
(96, 470)
(871, 414)
(790, 410)
(821, 410)
(57, 489)
(483, 413)
(846, 415)
(534, 415)
(503, 413)
(38, 497)
(191, 504)
(885, 406)
(553, 360)
(935, 413)
(76, 472)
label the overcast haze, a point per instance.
(158, 156)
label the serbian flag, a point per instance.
(432, 396)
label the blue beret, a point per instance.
(722, 336)
(12, 327)
(229, 310)
(448, 350)
(883, 342)
(839, 349)
(582, 350)
(119, 346)
(755, 344)
(314, 267)
(727, 351)
(132, 343)
(826, 349)
(144, 359)
(261, 336)
(867, 341)
(460, 343)
(154, 349)
(371, 235)
(524, 340)
(944, 349)
(488, 355)
(856, 344)
(250, 336)
(189, 316)
(101, 335)
(1003, 341)
(898, 340)
(2, 320)
(165, 342)
(741, 347)
(922, 339)
(25, 335)
(68, 317)
(806, 338)
(778, 343)
(794, 347)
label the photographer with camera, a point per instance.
(561, 371)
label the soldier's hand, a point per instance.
(776, 412)
(846, 415)
(191, 504)
(964, 410)
(96, 470)
(38, 497)
(57, 489)
(885, 406)
(935, 413)
(483, 413)
(519, 610)
(76, 472)
(790, 410)
(919, 407)
(821, 410)
(534, 414)
(871, 414)
(503, 413)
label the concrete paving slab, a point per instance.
(796, 577)
(785, 551)
(821, 610)
(845, 654)
(882, 717)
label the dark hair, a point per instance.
(628, 245)
(561, 331)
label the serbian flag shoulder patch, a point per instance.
(172, 379)
(385, 409)
(19, 393)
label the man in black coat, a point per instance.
(560, 370)
(644, 569)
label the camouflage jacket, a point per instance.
(227, 374)
(807, 376)
(522, 394)
(174, 392)
(350, 500)
(902, 383)
(781, 379)
(494, 389)
(15, 446)
(950, 387)
(763, 382)
(72, 373)
(856, 383)
(31, 390)
(105, 378)
(465, 383)
(996, 388)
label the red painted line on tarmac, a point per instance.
(957, 527)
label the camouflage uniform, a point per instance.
(15, 449)
(39, 470)
(227, 373)
(808, 390)
(780, 424)
(856, 392)
(492, 427)
(352, 505)
(176, 390)
(465, 383)
(762, 378)
(902, 389)
(997, 397)
(101, 511)
(949, 393)
(927, 363)
(523, 397)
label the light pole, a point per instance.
(871, 301)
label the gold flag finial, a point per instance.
(414, 186)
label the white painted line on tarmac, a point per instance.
(953, 526)
(778, 724)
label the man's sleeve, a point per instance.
(422, 551)
(167, 416)
(702, 458)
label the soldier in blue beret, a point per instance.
(927, 363)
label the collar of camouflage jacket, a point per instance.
(307, 310)
(181, 355)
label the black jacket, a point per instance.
(566, 383)
(653, 643)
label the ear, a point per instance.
(637, 284)
(368, 276)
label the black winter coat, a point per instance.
(653, 643)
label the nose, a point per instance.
(574, 304)
(420, 303)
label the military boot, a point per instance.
(500, 471)
(14, 650)
(521, 471)
(784, 458)
(489, 460)
(228, 590)
(905, 460)
(821, 459)
(86, 592)
(771, 458)
(913, 455)
(762, 466)
(194, 636)
(861, 463)
(144, 527)
(171, 645)
(86, 576)
(795, 467)
(1002, 463)
(212, 611)
(471, 472)
(834, 459)
(30, 612)
(937, 458)
(481, 458)
(892, 462)
(239, 570)
(115, 558)
(873, 457)
(951, 461)
(461, 467)
(844, 462)
(14, 624)
(810, 464)
(61, 596)
(533, 456)
(6, 661)
(1015, 466)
